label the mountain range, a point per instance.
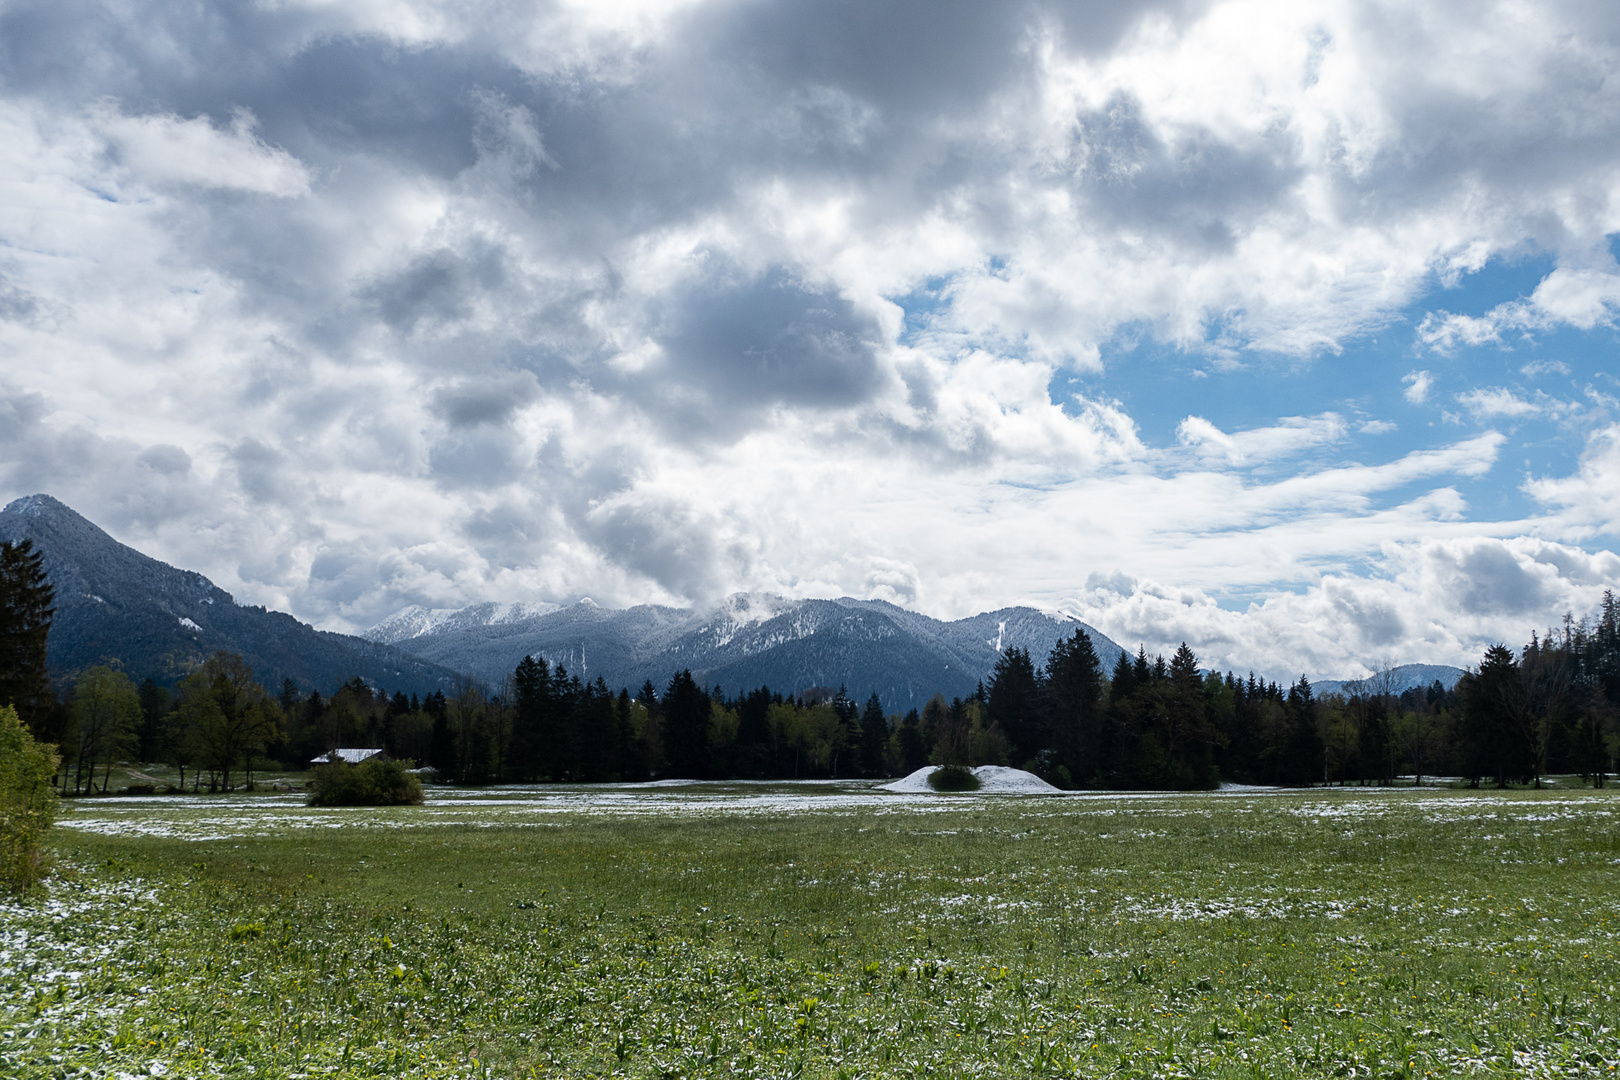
(746, 641)
(116, 605)
(1396, 680)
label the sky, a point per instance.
(1288, 330)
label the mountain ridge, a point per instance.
(753, 639)
(115, 604)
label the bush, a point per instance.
(371, 783)
(138, 789)
(953, 778)
(27, 802)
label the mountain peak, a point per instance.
(116, 605)
(51, 510)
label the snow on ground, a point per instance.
(993, 780)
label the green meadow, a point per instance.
(823, 930)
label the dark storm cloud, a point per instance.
(439, 287)
(1198, 189)
(770, 340)
(1491, 581)
(16, 305)
(166, 458)
(490, 400)
(908, 57)
(134, 485)
(664, 541)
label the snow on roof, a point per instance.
(347, 754)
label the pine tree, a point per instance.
(1304, 752)
(1492, 699)
(874, 738)
(686, 728)
(154, 707)
(442, 752)
(1074, 688)
(1014, 703)
(531, 719)
(26, 597)
(913, 746)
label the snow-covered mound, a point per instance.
(993, 780)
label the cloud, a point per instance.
(1488, 402)
(1544, 367)
(166, 149)
(1431, 601)
(1293, 434)
(355, 306)
(1418, 385)
(1591, 497)
(1580, 298)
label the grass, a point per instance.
(823, 931)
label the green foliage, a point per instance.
(1310, 934)
(373, 782)
(225, 717)
(27, 801)
(106, 720)
(953, 778)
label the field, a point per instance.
(823, 930)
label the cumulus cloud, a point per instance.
(1581, 298)
(1591, 497)
(358, 306)
(166, 149)
(1495, 401)
(1443, 599)
(1293, 434)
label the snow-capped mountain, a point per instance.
(749, 640)
(1397, 680)
(414, 621)
(116, 605)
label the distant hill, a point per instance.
(115, 604)
(1400, 679)
(748, 640)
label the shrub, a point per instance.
(371, 783)
(138, 789)
(953, 778)
(27, 801)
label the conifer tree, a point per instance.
(1303, 757)
(874, 738)
(686, 728)
(531, 719)
(26, 600)
(1074, 685)
(913, 746)
(1014, 703)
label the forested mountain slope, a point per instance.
(116, 605)
(751, 640)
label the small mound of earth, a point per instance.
(993, 780)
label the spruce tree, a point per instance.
(26, 599)
(1074, 689)
(686, 728)
(874, 738)
(1014, 703)
(531, 701)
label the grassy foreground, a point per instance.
(822, 932)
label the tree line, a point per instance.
(1149, 722)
